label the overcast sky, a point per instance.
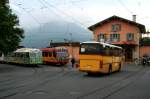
(34, 13)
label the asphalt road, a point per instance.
(54, 82)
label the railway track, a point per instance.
(110, 89)
(46, 76)
(39, 77)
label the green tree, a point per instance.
(10, 32)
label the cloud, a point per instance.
(85, 12)
(15, 8)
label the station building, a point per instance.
(144, 46)
(118, 31)
(122, 32)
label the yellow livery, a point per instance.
(99, 57)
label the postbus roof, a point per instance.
(102, 43)
(30, 50)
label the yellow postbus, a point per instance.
(99, 57)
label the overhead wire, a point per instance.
(128, 10)
(82, 9)
(64, 13)
(24, 9)
(48, 8)
(141, 10)
(55, 12)
(52, 5)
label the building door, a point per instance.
(128, 54)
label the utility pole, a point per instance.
(51, 43)
(71, 45)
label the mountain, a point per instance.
(56, 31)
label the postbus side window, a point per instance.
(120, 53)
(111, 51)
(117, 52)
(114, 52)
(107, 50)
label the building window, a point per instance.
(130, 36)
(116, 27)
(101, 37)
(115, 37)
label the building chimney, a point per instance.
(134, 18)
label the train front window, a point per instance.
(90, 48)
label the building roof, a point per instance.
(140, 26)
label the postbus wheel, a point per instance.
(110, 69)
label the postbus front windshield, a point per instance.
(90, 48)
